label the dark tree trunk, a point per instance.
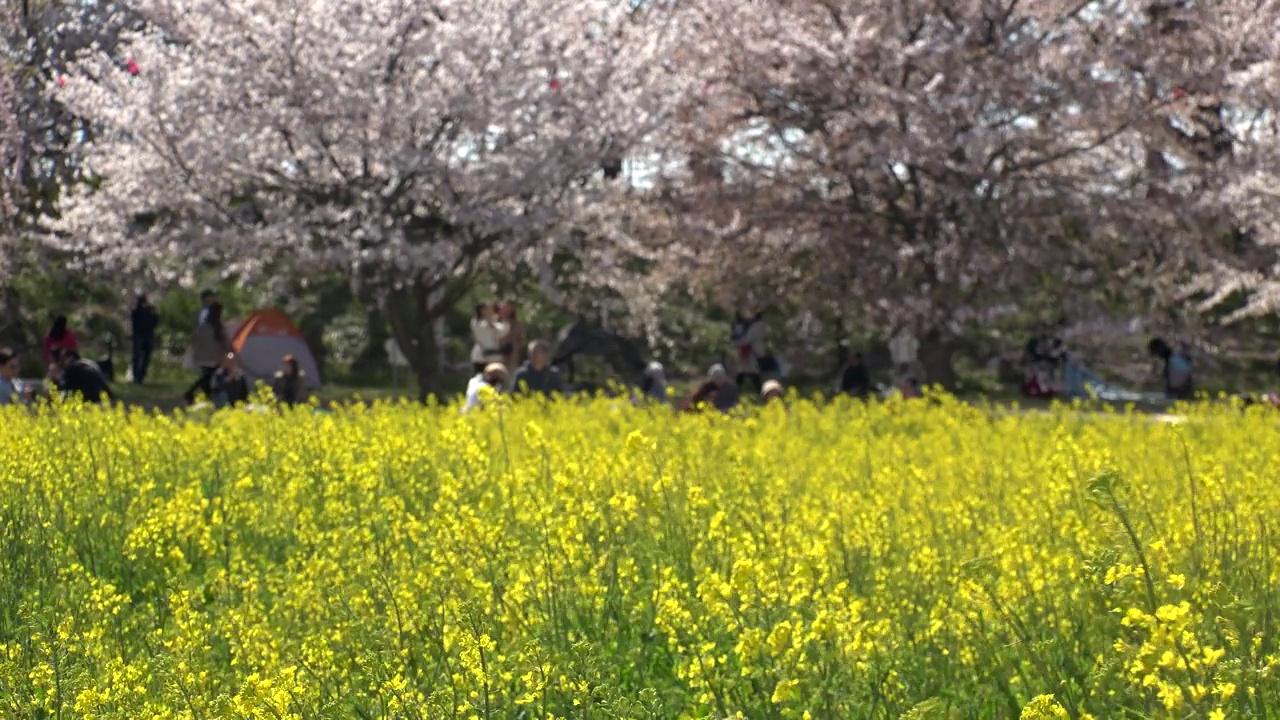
(411, 316)
(937, 352)
(425, 364)
(373, 358)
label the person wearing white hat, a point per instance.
(654, 385)
(494, 376)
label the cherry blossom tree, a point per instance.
(10, 131)
(926, 162)
(1233, 121)
(9, 158)
(410, 145)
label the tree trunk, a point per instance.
(373, 359)
(937, 350)
(425, 365)
(412, 318)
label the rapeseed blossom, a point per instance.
(592, 560)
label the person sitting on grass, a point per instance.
(855, 381)
(538, 375)
(727, 394)
(58, 338)
(230, 387)
(11, 390)
(289, 385)
(702, 396)
(493, 377)
(1179, 383)
(73, 375)
(653, 387)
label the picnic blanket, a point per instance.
(1079, 382)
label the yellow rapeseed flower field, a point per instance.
(591, 560)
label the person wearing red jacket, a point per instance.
(59, 337)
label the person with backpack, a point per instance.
(1179, 381)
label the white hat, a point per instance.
(718, 371)
(654, 368)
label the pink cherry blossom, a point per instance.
(926, 163)
(400, 142)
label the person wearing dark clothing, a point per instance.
(289, 386)
(74, 375)
(538, 375)
(654, 385)
(1178, 380)
(207, 300)
(704, 394)
(727, 393)
(230, 388)
(1043, 359)
(855, 381)
(144, 320)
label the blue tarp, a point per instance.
(1079, 383)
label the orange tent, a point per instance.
(263, 341)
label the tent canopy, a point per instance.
(264, 339)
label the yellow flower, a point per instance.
(1043, 707)
(411, 561)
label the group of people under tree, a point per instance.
(495, 355)
(68, 373)
(221, 377)
(497, 336)
(1046, 361)
(505, 360)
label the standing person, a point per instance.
(1179, 382)
(289, 385)
(143, 321)
(59, 337)
(513, 342)
(209, 346)
(904, 349)
(855, 381)
(10, 387)
(538, 375)
(207, 299)
(747, 334)
(487, 332)
(74, 375)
